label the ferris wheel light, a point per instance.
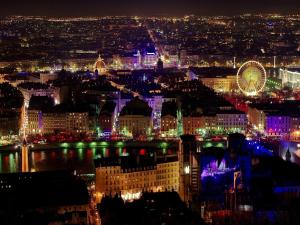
(258, 82)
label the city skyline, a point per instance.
(170, 119)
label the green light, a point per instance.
(79, 145)
(65, 151)
(12, 163)
(65, 145)
(120, 152)
(208, 145)
(164, 151)
(220, 145)
(120, 143)
(103, 152)
(94, 151)
(104, 143)
(163, 145)
(93, 144)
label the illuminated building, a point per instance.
(277, 125)
(100, 66)
(290, 77)
(257, 117)
(168, 127)
(130, 176)
(232, 120)
(77, 122)
(275, 119)
(135, 118)
(220, 84)
(34, 121)
(150, 59)
(155, 102)
(51, 122)
(220, 79)
(192, 124)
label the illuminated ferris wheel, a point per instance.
(251, 78)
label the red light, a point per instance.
(142, 151)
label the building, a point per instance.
(135, 118)
(57, 119)
(277, 124)
(131, 175)
(220, 79)
(107, 117)
(275, 119)
(231, 120)
(192, 124)
(29, 89)
(34, 121)
(257, 117)
(168, 127)
(220, 84)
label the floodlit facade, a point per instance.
(117, 175)
(51, 122)
(220, 84)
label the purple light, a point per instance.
(213, 169)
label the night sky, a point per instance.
(150, 7)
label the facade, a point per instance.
(220, 84)
(232, 120)
(168, 126)
(192, 124)
(117, 175)
(257, 117)
(132, 125)
(277, 125)
(275, 119)
(135, 118)
(34, 121)
(51, 122)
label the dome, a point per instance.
(100, 65)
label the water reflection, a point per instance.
(79, 157)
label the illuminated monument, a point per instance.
(251, 78)
(100, 66)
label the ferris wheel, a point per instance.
(251, 78)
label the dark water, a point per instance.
(57, 159)
(73, 157)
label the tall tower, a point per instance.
(189, 168)
(25, 160)
(234, 62)
(139, 55)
